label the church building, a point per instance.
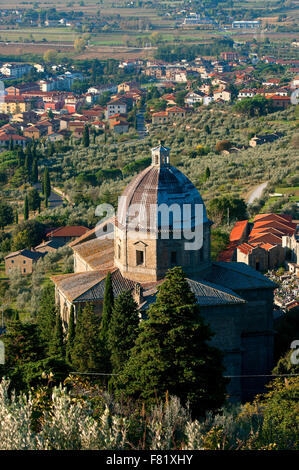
(138, 247)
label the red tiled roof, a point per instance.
(278, 97)
(68, 231)
(272, 215)
(246, 248)
(227, 254)
(7, 137)
(266, 237)
(238, 230)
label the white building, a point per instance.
(246, 94)
(244, 24)
(193, 98)
(39, 68)
(15, 70)
(180, 77)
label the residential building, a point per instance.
(15, 70)
(22, 260)
(14, 104)
(65, 234)
(246, 24)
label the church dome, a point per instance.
(160, 184)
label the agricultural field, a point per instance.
(115, 24)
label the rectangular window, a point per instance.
(139, 257)
(173, 257)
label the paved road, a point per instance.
(140, 125)
(256, 193)
(54, 199)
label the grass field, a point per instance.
(22, 40)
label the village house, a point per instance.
(171, 114)
(280, 102)
(223, 95)
(18, 90)
(16, 139)
(263, 139)
(194, 98)
(261, 256)
(262, 244)
(63, 235)
(116, 106)
(50, 246)
(22, 260)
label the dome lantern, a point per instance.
(160, 155)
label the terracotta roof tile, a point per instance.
(238, 230)
(68, 231)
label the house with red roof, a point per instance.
(66, 234)
(259, 245)
(280, 101)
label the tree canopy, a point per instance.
(172, 352)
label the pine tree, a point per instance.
(123, 330)
(70, 336)
(85, 138)
(56, 346)
(108, 303)
(172, 353)
(22, 343)
(46, 183)
(26, 208)
(86, 350)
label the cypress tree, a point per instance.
(172, 352)
(26, 208)
(56, 346)
(123, 330)
(107, 307)
(21, 157)
(46, 183)
(46, 315)
(105, 322)
(16, 217)
(207, 173)
(34, 172)
(85, 353)
(28, 167)
(85, 138)
(70, 336)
